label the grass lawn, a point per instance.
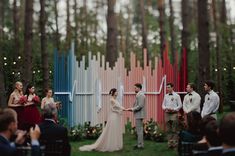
(151, 149)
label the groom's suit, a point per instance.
(139, 113)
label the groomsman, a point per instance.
(171, 105)
(212, 100)
(192, 100)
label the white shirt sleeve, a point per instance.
(164, 103)
(185, 104)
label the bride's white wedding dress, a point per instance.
(111, 138)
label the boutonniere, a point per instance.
(190, 100)
(172, 99)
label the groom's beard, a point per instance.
(136, 92)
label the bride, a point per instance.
(111, 138)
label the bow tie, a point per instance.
(170, 94)
(208, 93)
(190, 94)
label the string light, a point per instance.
(5, 64)
(50, 71)
(38, 71)
(19, 57)
(14, 62)
(4, 58)
(234, 68)
(34, 72)
(216, 70)
(225, 69)
(18, 73)
(13, 73)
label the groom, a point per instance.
(139, 113)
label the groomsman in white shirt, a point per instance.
(212, 100)
(192, 100)
(171, 105)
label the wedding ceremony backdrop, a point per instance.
(84, 88)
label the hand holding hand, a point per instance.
(129, 109)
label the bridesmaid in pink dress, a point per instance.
(111, 138)
(16, 101)
(48, 99)
(31, 113)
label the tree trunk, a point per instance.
(111, 48)
(2, 84)
(68, 25)
(172, 31)
(28, 36)
(185, 23)
(57, 34)
(16, 29)
(144, 28)
(76, 26)
(121, 31)
(86, 25)
(128, 30)
(161, 8)
(44, 53)
(223, 17)
(203, 44)
(218, 66)
(185, 37)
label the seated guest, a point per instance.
(8, 127)
(201, 147)
(227, 135)
(213, 140)
(51, 131)
(191, 135)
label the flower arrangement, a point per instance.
(92, 132)
(87, 131)
(152, 131)
(23, 100)
(76, 133)
(36, 99)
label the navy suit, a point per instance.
(215, 152)
(5, 148)
(50, 131)
(231, 153)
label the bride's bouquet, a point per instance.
(23, 100)
(36, 99)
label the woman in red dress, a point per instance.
(16, 101)
(31, 113)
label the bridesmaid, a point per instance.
(16, 101)
(31, 113)
(49, 99)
